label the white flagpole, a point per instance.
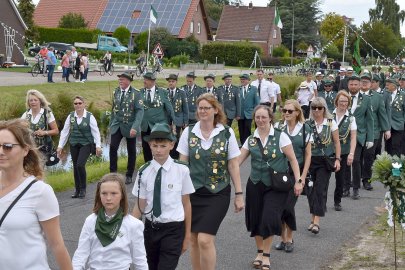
(147, 54)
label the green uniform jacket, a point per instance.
(398, 111)
(180, 107)
(129, 114)
(192, 95)
(364, 119)
(330, 99)
(249, 102)
(380, 116)
(160, 110)
(231, 99)
(217, 93)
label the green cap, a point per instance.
(150, 76)
(172, 77)
(402, 78)
(396, 77)
(244, 76)
(226, 75)
(354, 77)
(191, 75)
(210, 75)
(392, 80)
(328, 82)
(376, 78)
(160, 131)
(366, 76)
(126, 75)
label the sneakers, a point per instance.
(128, 180)
(338, 207)
(356, 195)
(346, 193)
(367, 185)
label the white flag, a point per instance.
(153, 15)
(277, 19)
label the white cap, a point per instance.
(342, 69)
(318, 74)
(349, 69)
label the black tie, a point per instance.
(171, 93)
(122, 96)
(244, 91)
(149, 98)
(157, 210)
(226, 89)
(260, 86)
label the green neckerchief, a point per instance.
(107, 231)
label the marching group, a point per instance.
(191, 155)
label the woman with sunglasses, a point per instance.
(265, 207)
(293, 124)
(347, 137)
(32, 223)
(82, 132)
(41, 120)
(326, 145)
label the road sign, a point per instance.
(158, 50)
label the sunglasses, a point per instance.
(78, 103)
(7, 147)
(288, 111)
(319, 108)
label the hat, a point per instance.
(328, 82)
(376, 78)
(349, 69)
(396, 77)
(402, 78)
(366, 76)
(318, 74)
(354, 78)
(210, 75)
(342, 69)
(191, 75)
(303, 85)
(172, 77)
(244, 76)
(150, 76)
(226, 75)
(271, 73)
(393, 81)
(126, 75)
(331, 76)
(160, 131)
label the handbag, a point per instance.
(307, 189)
(279, 181)
(49, 150)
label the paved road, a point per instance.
(235, 249)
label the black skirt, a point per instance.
(288, 216)
(209, 209)
(254, 207)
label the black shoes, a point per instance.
(82, 194)
(346, 193)
(367, 185)
(338, 207)
(289, 247)
(356, 195)
(75, 195)
(280, 246)
(128, 180)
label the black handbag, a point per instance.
(49, 150)
(279, 181)
(307, 189)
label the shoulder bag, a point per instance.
(51, 155)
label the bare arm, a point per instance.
(353, 142)
(139, 208)
(244, 153)
(233, 169)
(54, 238)
(335, 136)
(187, 221)
(308, 154)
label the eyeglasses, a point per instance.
(328, 85)
(343, 101)
(7, 147)
(204, 108)
(78, 103)
(288, 111)
(319, 108)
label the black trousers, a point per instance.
(163, 244)
(347, 182)
(80, 154)
(192, 121)
(340, 179)
(305, 111)
(173, 153)
(229, 122)
(367, 162)
(131, 149)
(378, 146)
(244, 126)
(275, 107)
(393, 145)
(320, 176)
(147, 153)
(357, 165)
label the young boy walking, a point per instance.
(162, 189)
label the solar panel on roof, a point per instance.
(171, 14)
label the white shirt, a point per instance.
(152, 93)
(176, 182)
(354, 101)
(22, 239)
(183, 147)
(36, 119)
(304, 96)
(325, 123)
(353, 125)
(125, 90)
(284, 139)
(210, 90)
(296, 130)
(378, 90)
(277, 89)
(127, 248)
(312, 86)
(95, 132)
(393, 94)
(266, 90)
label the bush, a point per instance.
(281, 51)
(232, 54)
(176, 60)
(72, 21)
(67, 35)
(122, 34)
(280, 61)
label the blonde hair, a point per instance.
(318, 102)
(42, 99)
(297, 107)
(220, 117)
(343, 93)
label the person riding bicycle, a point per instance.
(42, 54)
(107, 61)
(141, 61)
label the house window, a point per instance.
(271, 49)
(257, 27)
(192, 27)
(199, 28)
(136, 14)
(275, 33)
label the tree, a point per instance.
(73, 21)
(332, 51)
(122, 34)
(388, 11)
(330, 26)
(26, 9)
(214, 7)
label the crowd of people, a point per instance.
(192, 155)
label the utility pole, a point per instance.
(344, 44)
(292, 36)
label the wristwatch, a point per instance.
(338, 158)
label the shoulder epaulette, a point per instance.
(180, 162)
(143, 167)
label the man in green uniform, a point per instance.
(210, 87)
(402, 83)
(178, 99)
(328, 94)
(192, 93)
(231, 99)
(157, 109)
(126, 117)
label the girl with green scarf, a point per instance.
(111, 238)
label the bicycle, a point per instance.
(157, 65)
(38, 67)
(103, 68)
(140, 69)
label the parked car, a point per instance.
(60, 48)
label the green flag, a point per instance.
(153, 14)
(277, 20)
(356, 60)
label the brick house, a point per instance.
(10, 17)
(254, 24)
(181, 17)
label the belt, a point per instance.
(159, 225)
(265, 103)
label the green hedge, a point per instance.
(67, 35)
(280, 61)
(232, 54)
(116, 57)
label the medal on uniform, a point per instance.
(274, 154)
(252, 142)
(221, 148)
(212, 186)
(218, 140)
(197, 156)
(222, 143)
(214, 168)
(193, 142)
(217, 151)
(265, 152)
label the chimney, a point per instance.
(250, 5)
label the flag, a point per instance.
(356, 60)
(153, 14)
(277, 20)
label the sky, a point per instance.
(356, 9)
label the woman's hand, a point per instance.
(99, 151)
(350, 158)
(298, 187)
(337, 165)
(59, 152)
(239, 203)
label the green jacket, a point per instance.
(192, 95)
(248, 102)
(364, 119)
(330, 99)
(180, 107)
(380, 116)
(398, 111)
(231, 101)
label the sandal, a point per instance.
(315, 229)
(257, 263)
(266, 266)
(310, 226)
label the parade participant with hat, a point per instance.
(393, 145)
(341, 75)
(157, 109)
(249, 99)
(328, 94)
(192, 93)
(126, 118)
(344, 83)
(402, 83)
(304, 96)
(163, 187)
(211, 149)
(362, 110)
(210, 87)
(381, 124)
(178, 99)
(319, 81)
(231, 99)
(265, 89)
